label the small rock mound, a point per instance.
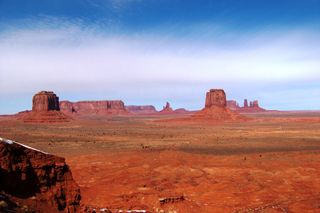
(181, 111)
(35, 181)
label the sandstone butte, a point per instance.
(215, 109)
(144, 109)
(35, 181)
(45, 109)
(252, 107)
(167, 109)
(107, 107)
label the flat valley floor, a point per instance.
(270, 163)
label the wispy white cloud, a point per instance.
(73, 59)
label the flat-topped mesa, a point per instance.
(67, 107)
(41, 181)
(216, 108)
(45, 109)
(216, 97)
(145, 109)
(45, 101)
(167, 108)
(233, 105)
(94, 107)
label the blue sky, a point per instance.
(151, 51)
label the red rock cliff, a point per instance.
(216, 97)
(232, 104)
(252, 107)
(147, 109)
(216, 108)
(166, 109)
(35, 179)
(45, 101)
(94, 107)
(45, 109)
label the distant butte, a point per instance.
(107, 107)
(144, 109)
(45, 109)
(167, 109)
(252, 107)
(216, 108)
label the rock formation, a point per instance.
(216, 108)
(166, 109)
(45, 101)
(94, 107)
(35, 181)
(45, 109)
(252, 107)
(147, 109)
(67, 107)
(232, 104)
(255, 103)
(216, 97)
(245, 103)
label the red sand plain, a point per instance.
(270, 163)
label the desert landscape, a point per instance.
(180, 162)
(148, 106)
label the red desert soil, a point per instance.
(268, 164)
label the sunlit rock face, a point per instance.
(38, 180)
(216, 97)
(45, 109)
(45, 101)
(107, 107)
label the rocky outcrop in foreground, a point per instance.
(35, 181)
(115, 107)
(45, 109)
(146, 109)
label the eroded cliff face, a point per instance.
(216, 97)
(145, 109)
(216, 108)
(252, 107)
(45, 109)
(233, 105)
(35, 181)
(45, 101)
(115, 107)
